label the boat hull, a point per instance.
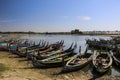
(74, 68)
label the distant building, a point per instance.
(76, 31)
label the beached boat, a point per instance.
(41, 53)
(24, 51)
(51, 47)
(77, 62)
(4, 46)
(116, 58)
(102, 61)
(41, 56)
(54, 61)
(101, 44)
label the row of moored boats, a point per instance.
(45, 55)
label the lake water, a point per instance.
(68, 39)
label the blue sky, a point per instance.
(59, 15)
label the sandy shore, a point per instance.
(20, 69)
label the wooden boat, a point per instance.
(21, 45)
(44, 55)
(101, 44)
(44, 47)
(52, 47)
(54, 61)
(54, 53)
(33, 53)
(47, 47)
(77, 62)
(4, 46)
(41, 53)
(102, 61)
(116, 58)
(22, 48)
(23, 52)
(12, 48)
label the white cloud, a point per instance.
(85, 18)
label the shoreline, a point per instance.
(17, 35)
(20, 69)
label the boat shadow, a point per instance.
(115, 67)
(24, 60)
(28, 68)
(14, 56)
(97, 75)
(84, 69)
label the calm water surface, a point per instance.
(68, 39)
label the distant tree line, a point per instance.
(17, 32)
(34, 32)
(76, 31)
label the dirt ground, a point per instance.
(20, 69)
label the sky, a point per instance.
(59, 15)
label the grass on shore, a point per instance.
(2, 69)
